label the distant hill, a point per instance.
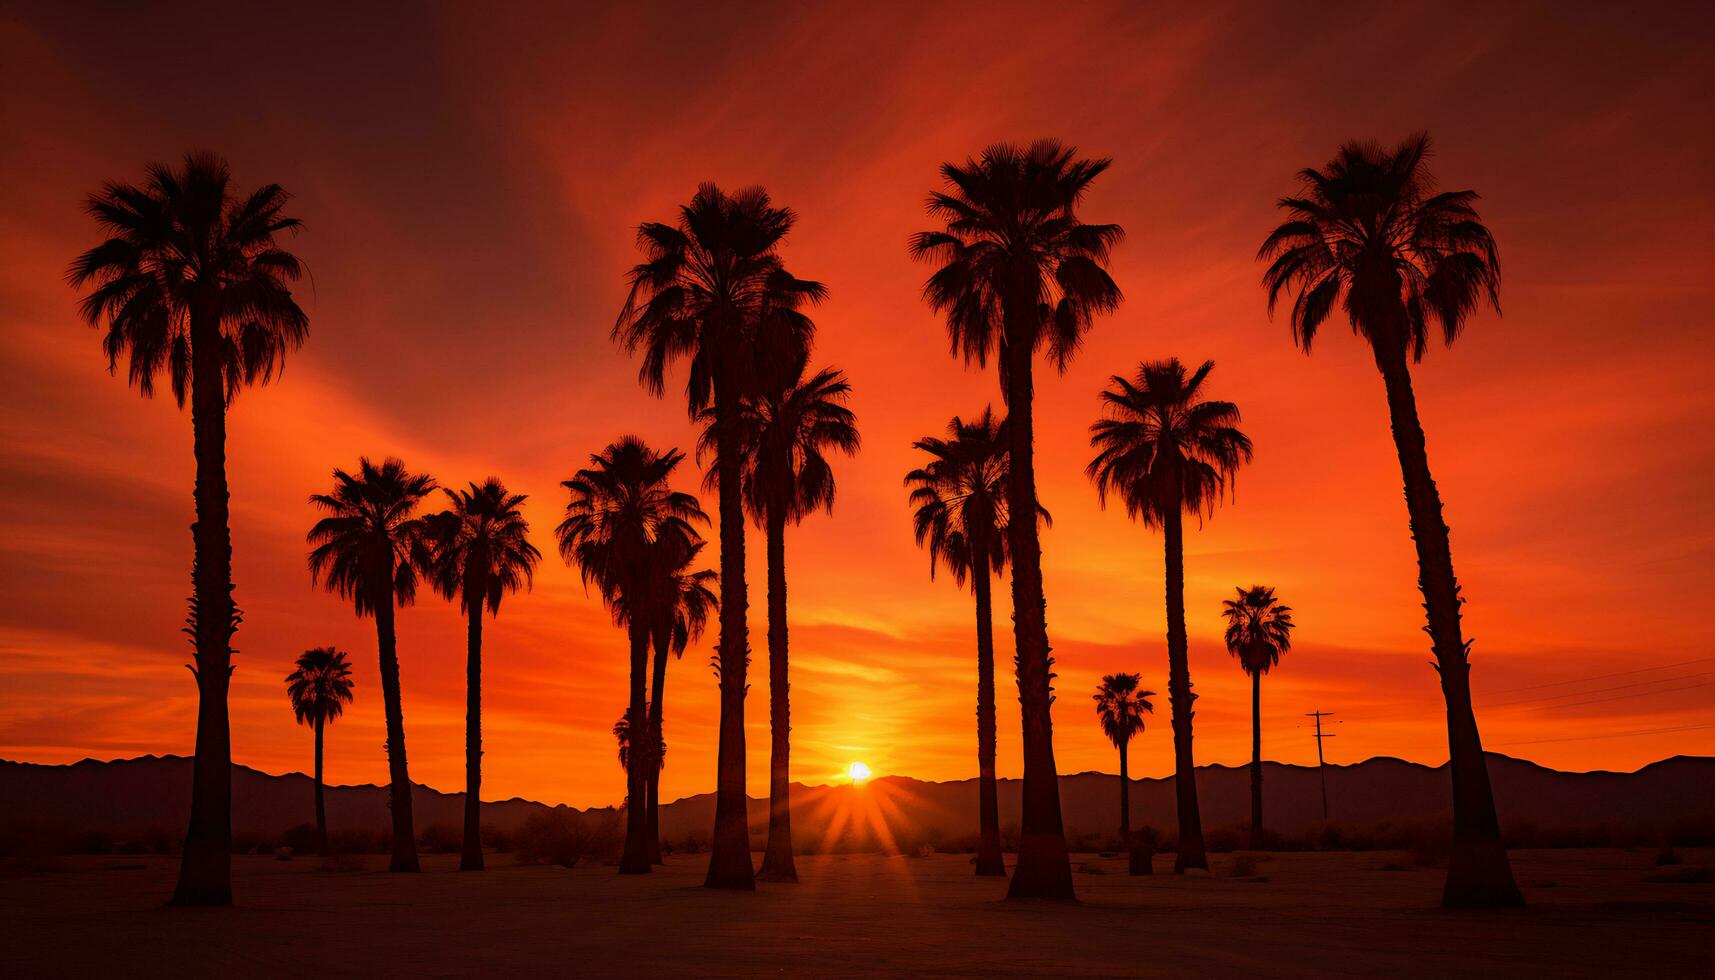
(151, 794)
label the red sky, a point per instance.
(470, 182)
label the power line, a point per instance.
(1600, 677)
(1617, 687)
(1640, 694)
(1582, 738)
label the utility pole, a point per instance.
(1321, 765)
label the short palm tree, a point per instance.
(1259, 632)
(656, 754)
(368, 548)
(960, 496)
(1019, 272)
(1167, 452)
(786, 432)
(689, 598)
(191, 281)
(319, 688)
(1369, 233)
(622, 516)
(479, 551)
(712, 289)
(1120, 708)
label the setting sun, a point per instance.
(858, 772)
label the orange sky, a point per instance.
(470, 182)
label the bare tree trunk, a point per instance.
(990, 861)
(471, 859)
(1125, 796)
(657, 699)
(1256, 761)
(1478, 872)
(321, 808)
(634, 859)
(1191, 853)
(399, 777)
(729, 853)
(205, 870)
(1044, 869)
(777, 863)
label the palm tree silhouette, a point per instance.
(479, 550)
(785, 432)
(712, 289)
(961, 500)
(622, 737)
(1168, 452)
(622, 520)
(191, 281)
(319, 689)
(1259, 632)
(1370, 233)
(368, 548)
(1120, 708)
(1019, 272)
(679, 621)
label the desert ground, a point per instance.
(1592, 913)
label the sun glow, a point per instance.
(858, 772)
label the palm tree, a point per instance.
(319, 690)
(479, 551)
(656, 753)
(688, 597)
(621, 517)
(1168, 452)
(368, 549)
(1370, 233)
(1259, 632)
(1120, 708)
(785, 432)
(191, 281)
(1018, 273)
(712, 289)
(961, 501)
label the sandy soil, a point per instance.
(1592, 913)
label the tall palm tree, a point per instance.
(689, 597)
(1019, 272)
(712, 289)
(479, 550)
(1370, 232)
(369, 548)
(785, 432)
(1120, 708)
(960, 497)
(1167, 451)
(319, 689)
(1259, 632)
(191, 281)
(621, 517)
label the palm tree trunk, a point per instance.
(777, 863)
(729, 851)
(1179, 692)
(657, 699)
(1044, 870)
(634, 860)
(990, 862)
(321, 808)
(1125, 797)
(471, 860)
(205, 870)
(1478, 872)
(1256, 761)
(399, 777)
